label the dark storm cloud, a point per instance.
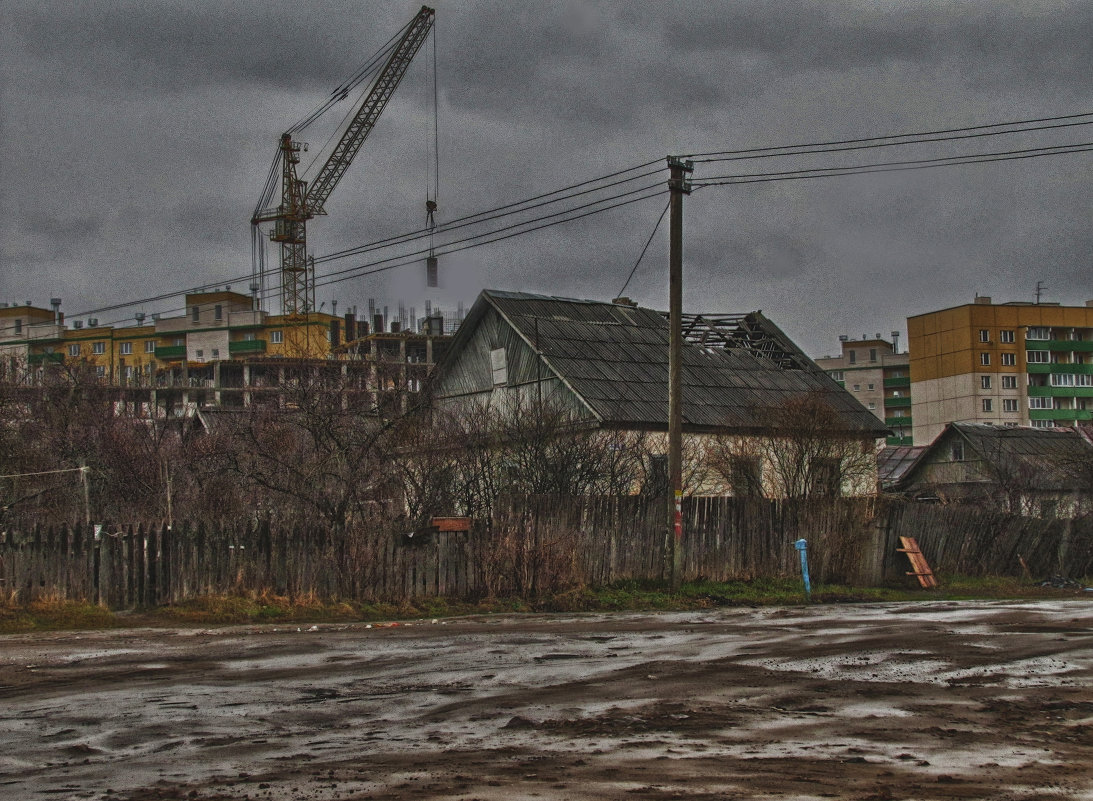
(143, 132)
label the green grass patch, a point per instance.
(622, 596)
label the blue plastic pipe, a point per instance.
(802, 548)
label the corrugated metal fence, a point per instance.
(533, 545)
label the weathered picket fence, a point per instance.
(530, 546)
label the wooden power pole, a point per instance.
(678, 188)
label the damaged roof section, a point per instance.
(736, 368)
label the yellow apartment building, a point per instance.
(1007, 364)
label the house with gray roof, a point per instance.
(608, 362)
(1042, 472)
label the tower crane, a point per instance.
(301, 201)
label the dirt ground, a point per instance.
(983, 700)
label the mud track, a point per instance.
(885, 701)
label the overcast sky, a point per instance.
(137, 136)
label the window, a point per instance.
(499, 366)
(871, 386)
(218, 313)
(872, 354)
(984, 382)
(984, 359)
(126, 348)
(18, 325)
(216, 353)
(1043, 424)
(1038, 332)
(1009, 404)
(853, 354)
(248, 336)
(1005, 336)
(276, 337)
(128, 373)
(1009, 359)
(1037, 356)
(149, 346)
(984, 335)
(988, 405)
(956, 453)
(100, 372)
(180, 341)
(1041, 403)
(98, 348)
(746, 476)
(857, 387)
(195, 313)
(199, 353)
(1062, 379)
(1009, 382)
(872, 407)
(73, 350)
(826, 477)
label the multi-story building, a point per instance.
(221, 351)
(877, 374)
(1009, 364)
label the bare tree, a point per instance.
(806, 452)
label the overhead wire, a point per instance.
(834, 142)
(649, 241)
(893, 166)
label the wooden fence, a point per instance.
(533, 546)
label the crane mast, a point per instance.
(300, 202)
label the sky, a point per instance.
(138, 135)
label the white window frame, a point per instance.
(73, 350)
(1010, 405)
(98, 348)
(987, 405)
(1006, 337)
(984, 382)
(1038, 332)
(1009, 359)
(985, 359)
(1009, 382)
(126, 349)
(1038, 357)
(276, 337)
(149, 346)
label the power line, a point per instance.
(362, 270)
(660, 219)
(887, 136)
(894, 166)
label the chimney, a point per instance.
(350, 326)
(56, 304)
(895, 341)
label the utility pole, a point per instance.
(678, 188)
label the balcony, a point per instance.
(897, 403)
(1061, 415)
(896, 422)
(246, 347)
(38, 359)
(908, 440)
(169, 353)
(1063, 392)
(1044, 369)
(905, 381)
(1080, 346)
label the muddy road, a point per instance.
(989, 700)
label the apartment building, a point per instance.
(1008, 364)
(878, 375)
